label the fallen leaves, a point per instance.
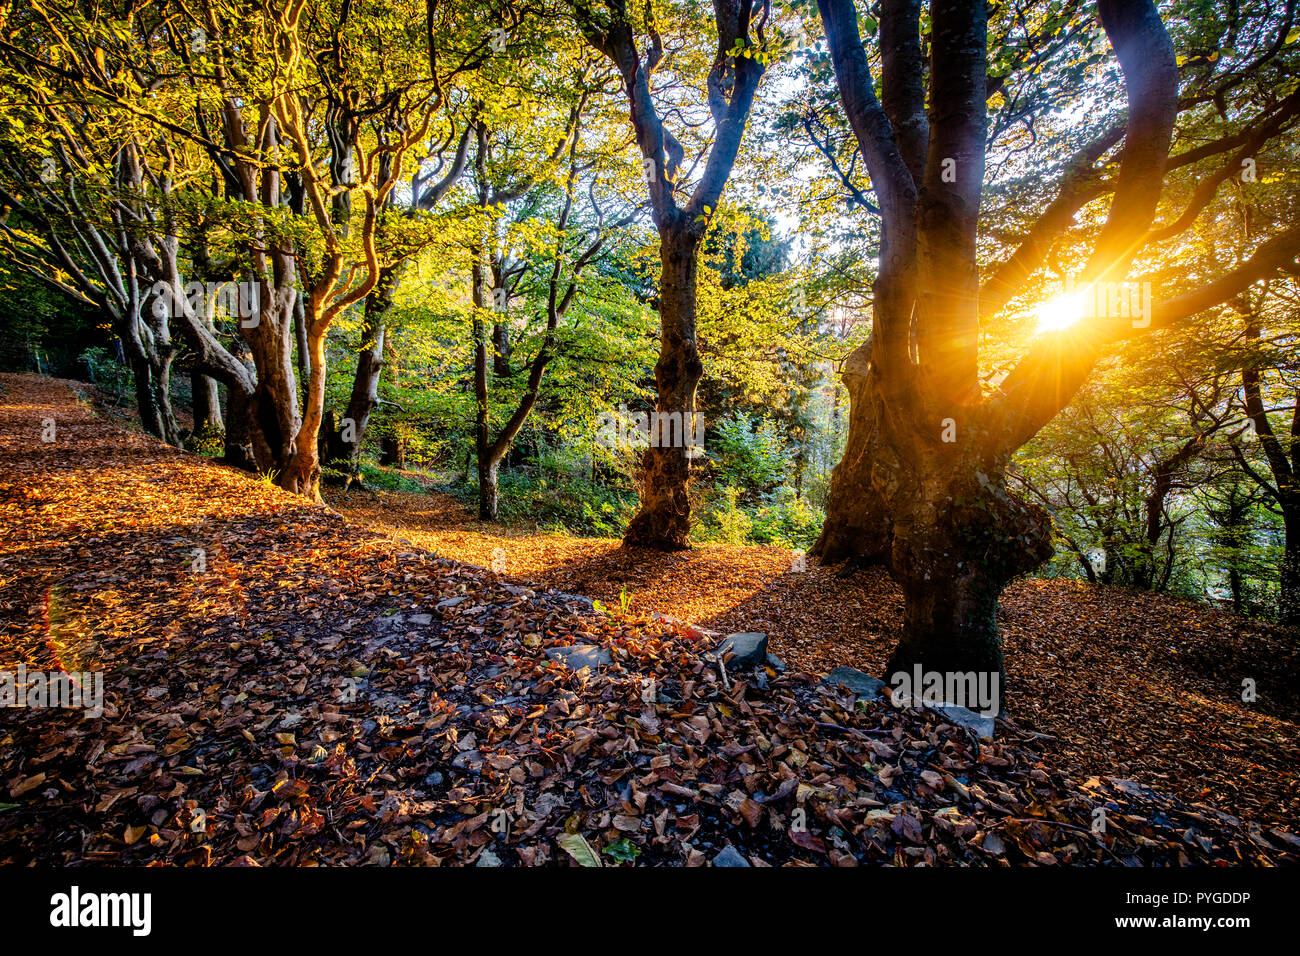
(333, 698)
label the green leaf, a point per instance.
(577, 847)
(623, 850)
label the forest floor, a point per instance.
(1131, 684)
(282, 685)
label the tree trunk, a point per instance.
(959, 537)
(364, 398)
(275, 420)
(162, 385)
(300, 340)
(145, 396)
(1289, 579)
(487, 487)
(500, 350)
(664, 518)
(239, 448)
(301, 474)
(857, 528)
(207, 404)
(392, 452)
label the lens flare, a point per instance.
(1060, 313)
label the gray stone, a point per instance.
(862, 684)
(775, 662)
(470, 760)
(581, 599)
(452, 601)
(749, 649)
(422, 619)
(1132, 788)
(730, 856)
(434, 779)
(577, 656)
(961, 716)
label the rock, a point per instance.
(586, 602)
(434, 779)
(1132, 788)
(862, 684)
(730, 856)
(470, 761)
(775, 662)
(749, 649)
(983, 726)
(488, 858)
(577, 656)
(452, 601)
(422, 619)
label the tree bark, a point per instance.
(239, 441)
(206, 402)
(162, 385)
(959, 538)
(364, 398)
(663, 520)
(487, 486)
(145, 396)
(1289, 578)
(857, 529)
(392, 452)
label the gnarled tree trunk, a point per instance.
(922, 484)
(857, 529)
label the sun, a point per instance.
(1060, 313)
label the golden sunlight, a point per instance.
(1061, 312)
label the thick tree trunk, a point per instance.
(239, 447)
(1289, 580)
(958, 541)
(664, 518)
(275, 421)
(857, 528)
(145, 397)
(392, 452)
(207, 404)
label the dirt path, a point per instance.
(1135, 685)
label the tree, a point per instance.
(1281, 451)
(557, 291)
(922, 486)
(663, 520)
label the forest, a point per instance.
(976, 321)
